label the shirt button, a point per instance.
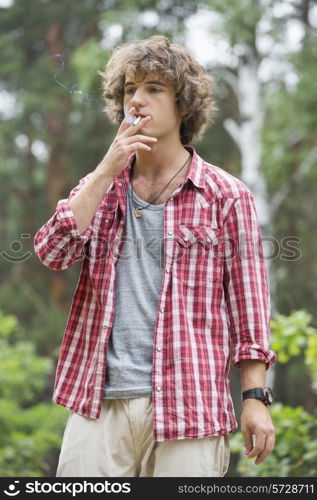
(185, 238)
(158, 387)
(119, 183)
(208, 240)
(171, 198)
(170, 233)
(166, 270)
(159, 348)
(161, 309)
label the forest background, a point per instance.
(53, 131)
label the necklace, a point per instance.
(137, 210)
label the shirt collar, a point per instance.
(195, 171)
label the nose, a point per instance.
(137, 98)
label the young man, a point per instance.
(163, 303)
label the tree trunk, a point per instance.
(57, 122)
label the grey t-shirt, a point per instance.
(138, 285)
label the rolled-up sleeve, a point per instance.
(58, 243)
(246, 283)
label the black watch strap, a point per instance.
(263, 393)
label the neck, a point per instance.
(162, 161)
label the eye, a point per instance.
(153, 90)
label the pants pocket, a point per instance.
(221, 455)
(225, 456)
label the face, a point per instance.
(154, 96)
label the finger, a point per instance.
(140, 137)
(269, 446)
(247, 435)
(138, 145)
(258, 447)
(125, 123)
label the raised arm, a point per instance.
(59, 243)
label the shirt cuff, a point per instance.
(253, 351)
(67, 221)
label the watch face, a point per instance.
(269, 396)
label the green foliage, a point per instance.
(8, 324)
(293, 335)
(290, 334)
(295, 452)
(311, 358)
(88, 58)
(289, 167)
(30, 431)
(19, 363)
(45, 41)
(29, 438)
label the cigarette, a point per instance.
(136, 121)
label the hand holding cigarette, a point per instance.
(127, 141)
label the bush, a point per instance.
(31, 431)
(295, 452)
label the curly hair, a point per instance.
(194, 88)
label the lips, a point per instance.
(135, 118)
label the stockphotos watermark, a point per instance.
(74, 488)
(173, 487)
(266, 248)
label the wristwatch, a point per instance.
(265, 394)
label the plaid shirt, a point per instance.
(214, 304)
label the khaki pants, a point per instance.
(120, 444)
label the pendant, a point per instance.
(137, 212)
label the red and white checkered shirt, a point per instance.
(214, 303)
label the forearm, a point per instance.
(256, 422)
(253, 373)
(86, 201)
